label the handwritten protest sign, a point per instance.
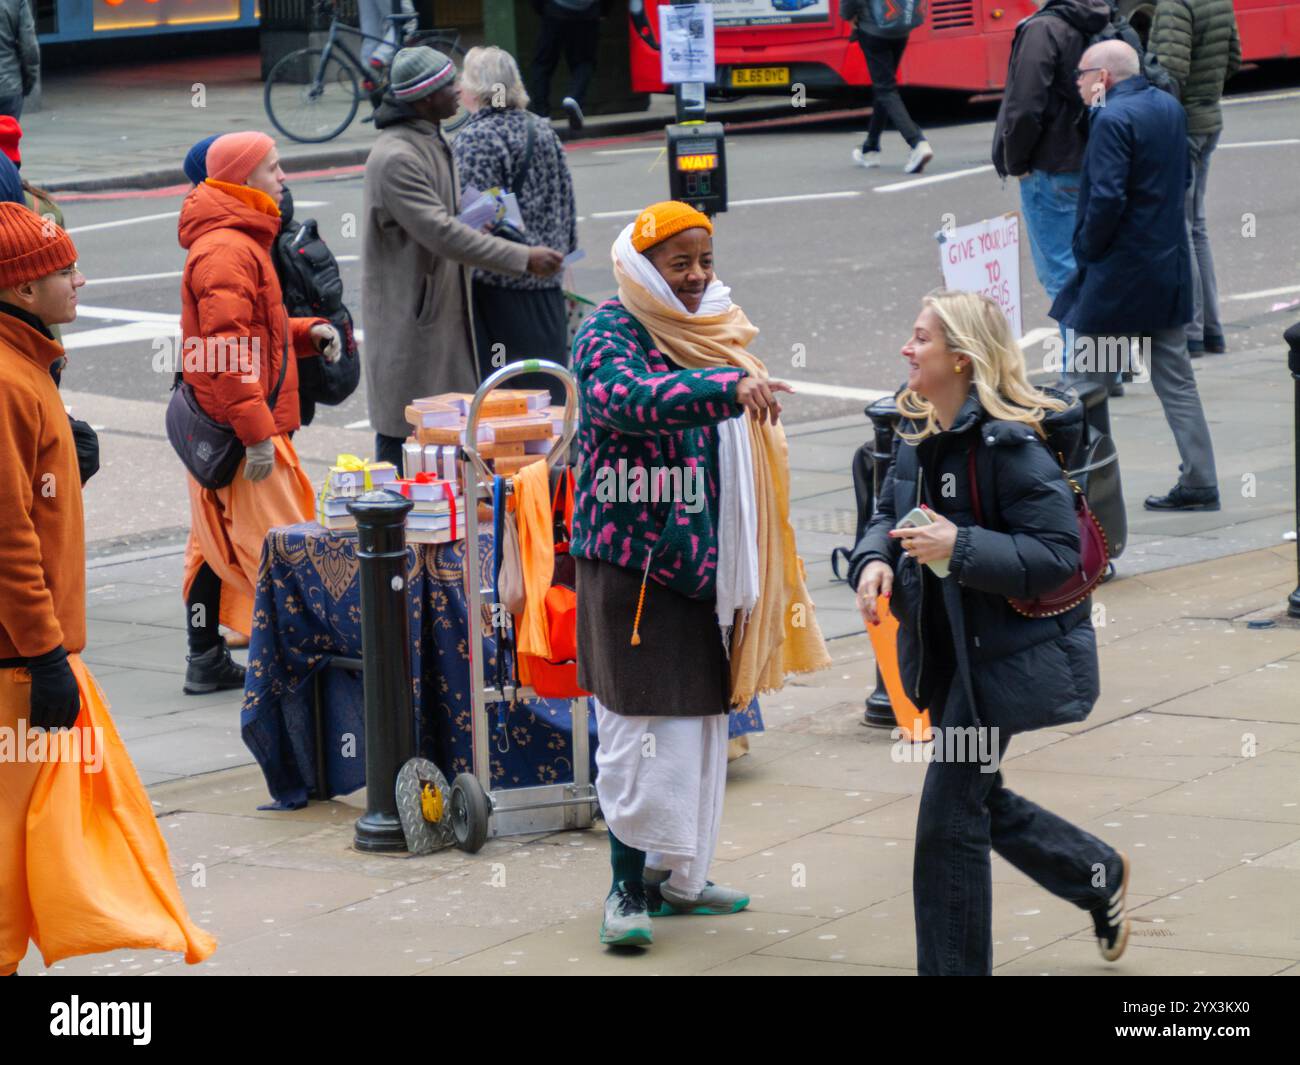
(985, 257)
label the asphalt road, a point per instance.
(828, 260)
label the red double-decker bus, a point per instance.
(771, 45)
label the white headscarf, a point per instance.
(737, 574)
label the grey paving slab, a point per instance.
(139, 692)
(1145, 956)
(1263, 788)
(191, 751)
(682, 945)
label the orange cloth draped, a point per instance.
(228, 525)
(532, 499)
(83, 865)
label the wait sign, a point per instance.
(984, 257)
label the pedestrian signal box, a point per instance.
(697, 165)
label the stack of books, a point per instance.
(515, 427)
(436, 515)
(346, 481)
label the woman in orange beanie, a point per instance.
(691, 596)
(237, 341)
(83, 866)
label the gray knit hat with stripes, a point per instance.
(418, 72)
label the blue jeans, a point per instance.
(965, 813)
(1205, 288)
(1049, 202)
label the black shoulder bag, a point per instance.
(505, 229)
(210, 450)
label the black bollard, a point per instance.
(386, 663)
(884, 417)
(1292, 337)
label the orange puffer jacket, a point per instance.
(233, 319)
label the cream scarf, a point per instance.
(782, 635)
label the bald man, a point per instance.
(1131, 293)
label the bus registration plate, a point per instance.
(750, 77)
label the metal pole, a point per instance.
(1292, 337)
(386, 658)
(884, 417)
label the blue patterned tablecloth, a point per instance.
(308, 611)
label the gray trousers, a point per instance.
(1205, 289)
(1174, 383)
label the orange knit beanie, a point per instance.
(233, 155)
(660, 221)
(31, 247)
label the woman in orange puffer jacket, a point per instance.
(237, 339)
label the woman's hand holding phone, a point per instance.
(927, 543)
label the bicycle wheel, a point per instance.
(309, 101)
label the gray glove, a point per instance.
(331, 349)
(259, 460)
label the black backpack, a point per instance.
(1119, 28)
(313, 288)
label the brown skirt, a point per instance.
(680, 667)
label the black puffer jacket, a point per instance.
(1020, 673)
(1039, 125)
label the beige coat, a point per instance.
(416, 266)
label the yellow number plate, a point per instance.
(749, 77)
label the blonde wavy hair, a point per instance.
(974, 326)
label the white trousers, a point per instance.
(660, 781)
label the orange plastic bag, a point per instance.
(98, 872)
(884, 643)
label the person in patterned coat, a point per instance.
(505, 146)
(691, 598)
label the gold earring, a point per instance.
(957, 368)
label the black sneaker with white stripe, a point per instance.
(1111, 919)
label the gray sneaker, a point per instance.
(713, 900)
(627, 922)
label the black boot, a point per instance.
(1182, 498)
(212, 671)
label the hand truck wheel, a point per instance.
(469, 813)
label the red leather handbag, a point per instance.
(1094, 554)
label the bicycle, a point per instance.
(312, 95)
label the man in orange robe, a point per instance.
(83, 866)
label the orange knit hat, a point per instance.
(233, 155)
(31, 247)
(660, 221)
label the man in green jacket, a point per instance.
(1197, 42)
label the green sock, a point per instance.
(628, 862)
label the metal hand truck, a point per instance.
(478, 811)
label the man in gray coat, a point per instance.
(1197, 42)
(417, 257)
(20, 55)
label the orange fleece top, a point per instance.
(42, 533)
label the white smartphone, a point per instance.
(915, 519)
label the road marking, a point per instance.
(310, 203)
(132, 277)
(124, 222)
(115, 314)
(1035, 335)
(1264, 293)
(753, 202)
(898, 186)
(1236, 100)
(1262, 144)
(815, 388)
(363, 424)
(126, 333)
(632, 151)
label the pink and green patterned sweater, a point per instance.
(639, 410)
